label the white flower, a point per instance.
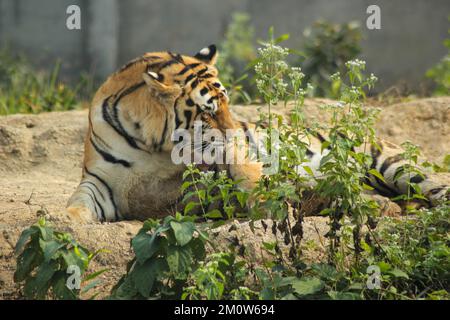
(335, 76)
(360, 64)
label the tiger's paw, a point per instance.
(79, 215)
(387, 208)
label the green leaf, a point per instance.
(38, 286)
(60, 289)
(94, 275)
(190, 206)
(71, 258)
(286, 281)
(124, 289)
(270, 246)
(46, 232)
(91, 285)
(214, 214)
(145, 245)
(282, 38)
(179, 260)
(325, 270)
(289, 296)
(242, 198)
(335, 295)
(26, 262)
(185, 185)
(324, 145)
(198, 248)
(367, 187)
(183, 231)
(26, 234)
(384, 266)
(325, 212)
(398, 273)
(377, 174)
(144, 275)
(308, 170)
(307, 286)
(217, 224)
(49, 248)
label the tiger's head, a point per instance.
(192, 82)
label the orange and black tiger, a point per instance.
(128, 171)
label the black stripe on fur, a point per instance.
(110, 192)
(109, 157)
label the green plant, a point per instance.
(46, 259)
(343, 169)
(411, 170)
(282, 189)
(412, 256)
(26, 90)
(166, 253)
(207, 189)
(415, 255)
(327, 48)
(440, 73)
(219, 277)
(236, 52)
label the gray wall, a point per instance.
(114, 32)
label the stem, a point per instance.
(197, 191)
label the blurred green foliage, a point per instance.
(24, 89)
(236, 52)
(440, 73)
(327, 47)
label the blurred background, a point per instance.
(324, 34)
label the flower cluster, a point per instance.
(270, 72)
(356, 64)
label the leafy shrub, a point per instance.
(414, 254)
(440, 73)
(327, 48)
(26, 90)
(205, 190)
(44, 259)
(166, 254)
(343, 170)
(219, 277)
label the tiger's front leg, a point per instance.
(93, 200)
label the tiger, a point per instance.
(128, 170)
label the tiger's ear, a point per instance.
(156, 86)
(208, 55)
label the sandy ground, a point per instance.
(40, 166)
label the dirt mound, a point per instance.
(40, 167)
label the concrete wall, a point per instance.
(114, 31)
